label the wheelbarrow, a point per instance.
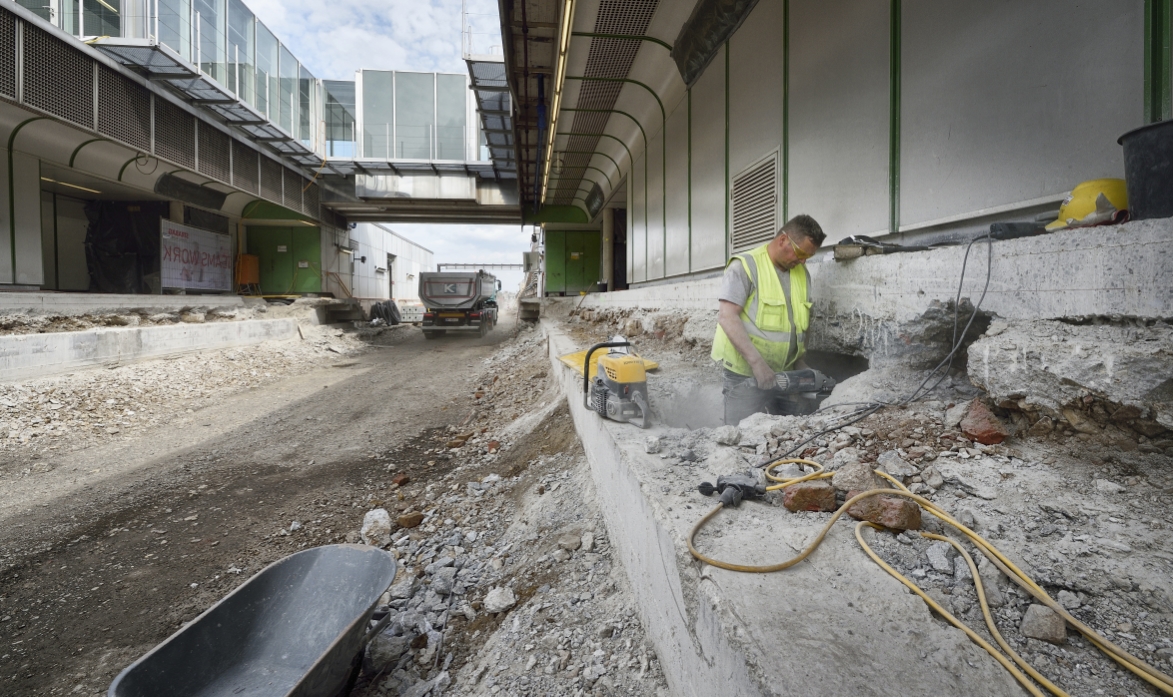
(296, 629)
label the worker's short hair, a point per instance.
(803, 225)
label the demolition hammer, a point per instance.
(800, 381)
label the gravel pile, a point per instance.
(508, 584)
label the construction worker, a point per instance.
(763, 318)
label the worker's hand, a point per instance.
(764, 374)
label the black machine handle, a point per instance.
(586, 368)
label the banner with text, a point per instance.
(195, 259)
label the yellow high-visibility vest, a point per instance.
(775, 317)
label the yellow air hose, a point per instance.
(1141, 669)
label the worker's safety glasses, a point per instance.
(799, 252)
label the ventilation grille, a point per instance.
(7, 54)
(310, 200)
(293, 186)
(174, 134)
(244, 168)
(124, 109)
(271, 179)
(214, 160)
(755, 204)
(57, 79)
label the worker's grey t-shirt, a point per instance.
(736, 285)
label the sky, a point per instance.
(334, 38)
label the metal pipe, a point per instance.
(199, 42)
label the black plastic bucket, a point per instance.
(1148, 170)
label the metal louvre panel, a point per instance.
(174, 134)
(310, 200)
(214, 160)
(755, 204)
(124, 109)
(293, 187)
(271, 179)
(607, 58)
(244, 168)
(7, 54)
(57, 79)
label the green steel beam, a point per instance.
(1158, 60)
(894, 117)
(626, 37)
(84, 143)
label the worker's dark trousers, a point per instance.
(743, 399)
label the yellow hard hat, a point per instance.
(1091, 203)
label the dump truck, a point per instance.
(464, 301)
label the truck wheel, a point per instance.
(484, 328)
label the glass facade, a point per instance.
(415, 115)
(211, 41)
(378, 108)
(174, 25)
(341, 117)
(404, 115)
(306, 98)
(451, 117)
(241, 66)
(268, 87)
(101, 17)
(288, 71)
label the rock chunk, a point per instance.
(809, 496)
(499, 600)
(727, 435)
(856, 476)
(1043, 623)
(443, 580)
(410, 520)
(1107, 487)
(940, 556)
(889, 511)
(570, 541)
(376, 528)
(981, 425)
(955, 414)
(891, 462)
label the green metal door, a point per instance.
(582, 260)
(290, 259)
(555, 261)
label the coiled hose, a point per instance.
(1144, 671)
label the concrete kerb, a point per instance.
(74, 304)
(835, 624)
(26, 356)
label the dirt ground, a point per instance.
(106, 550)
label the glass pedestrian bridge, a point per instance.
(399, 135)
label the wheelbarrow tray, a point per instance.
(292, 630)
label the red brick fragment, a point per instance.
(890, 511)
(410, 520)
(981, 425)
(809, 496)
(400, 479)
(494, 446)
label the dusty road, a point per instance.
(114, 548)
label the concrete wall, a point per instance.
(861, 304)
(1004, 107)
(28, 356)
(25, 233)
(74, 304)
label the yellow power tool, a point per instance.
(619, 389)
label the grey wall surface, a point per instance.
(678, 252)
(1005, 106)
(839, 114)
(1006, 101)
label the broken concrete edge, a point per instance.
(695, 654)
(77, 304)
(719, 632)
(28, 356)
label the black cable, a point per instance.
(872, 407)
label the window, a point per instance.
(415, 115)
(241, 68)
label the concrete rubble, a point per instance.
(1059, 456)
(508, 582)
